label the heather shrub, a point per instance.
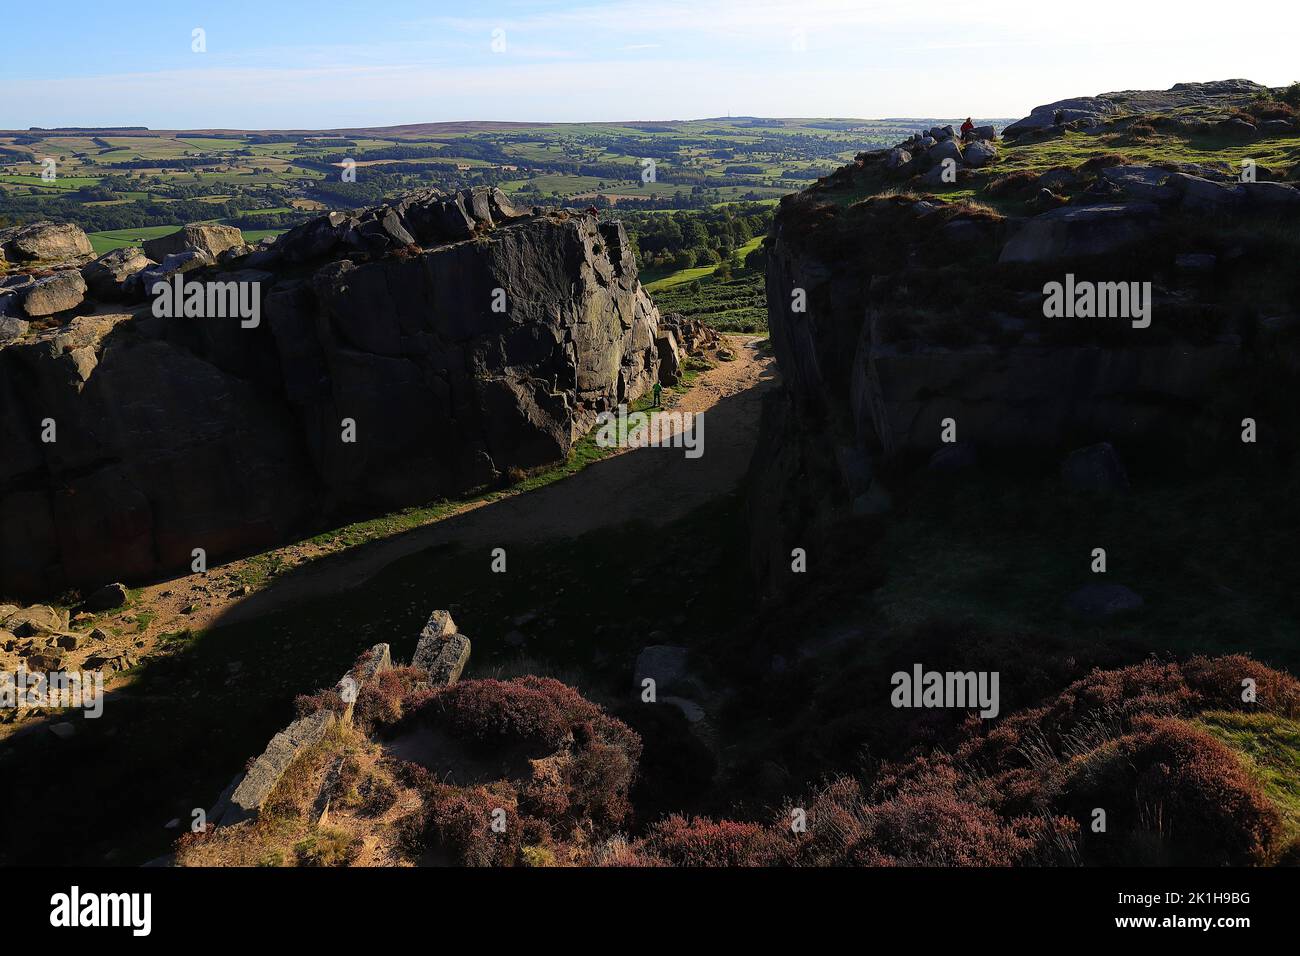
(383, 700)
(1018, 183)
(704, 842)
(940, 829)
(534, 709)
(1103, 161)
(326, 698)
(1023, 789)
(460, 819)
(1172, 795)
(929, 824)
(1218, 683)
(580, 783)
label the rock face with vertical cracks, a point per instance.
(893, 312)
(458, 336)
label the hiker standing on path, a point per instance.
(658, 391)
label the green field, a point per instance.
(127, 186)
(699, 163)
(683, 276)
(108, 241)
(63, 183)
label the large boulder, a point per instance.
(252, 790)
(1271, 197)
(107, 598)
(1205, 196)
(37, 619)
(1143, 183)
(897, 158)
(314, 239)
(1080, 231)
(948, 149)
(11, 329)
(106, 276)
(877, 359)
(1277, 128)
(1061, 112)
(208, 238)
(979, 153)
(58, 293)
(44, 241)
(1237, 128)
(443, 656)
(177, 263)
(670, 358)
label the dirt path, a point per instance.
(653, 484)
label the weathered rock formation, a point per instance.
(408, 352)
(42, 242)
(894, 315)
(442, 652)
(1216, 97)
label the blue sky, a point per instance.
(337, 63)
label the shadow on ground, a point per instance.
(644, 542)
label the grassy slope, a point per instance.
(731, 305)
(1269, 747)
(1278, 155)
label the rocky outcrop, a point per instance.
(692, 335)
(903, 326)
(1086, 111)
(671, 361)
(44, 242)
(441, 652)
(405, 353)
(210, 239)
(933, 157)
(1076, 232)
(106, 277)
(58, 293)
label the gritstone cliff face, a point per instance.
(894, 310)
(460, 336)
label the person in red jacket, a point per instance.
(967, 128)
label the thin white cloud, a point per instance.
(666, 59)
